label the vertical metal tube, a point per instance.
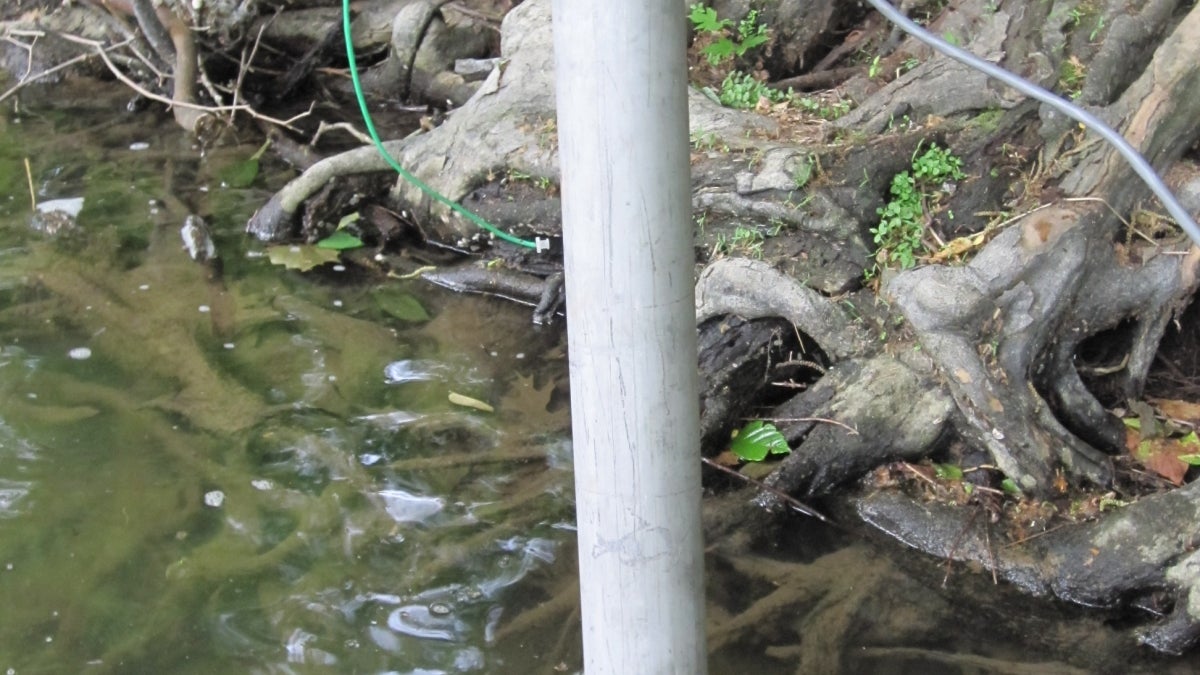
(623, 146)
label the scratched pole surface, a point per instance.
(623, 147)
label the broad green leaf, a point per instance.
(302, 258)
(340, 241)
(758, 438)
(400, 305)
(1010, 486)
(468, 402)
(1132, 422)
(719, 50)
(948, 471)
(239, 174)
(705, 19)
(1190, 439)
(242, 174)
(1191, 459)
(752, 42)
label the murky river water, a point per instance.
(257, 470)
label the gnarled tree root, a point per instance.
(1141, 548)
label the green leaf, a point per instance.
(948, 471)
(1132, 422)
(239, 174)
(302, 258)
(1192, 459)
(718, 51)
(242, 174)
(758, 438)
(704, 19)
(340, 241)
(400, 305)
(1010, 486)
(1190, 439)
(752, 42)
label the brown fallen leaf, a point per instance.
(1161, 455)
(1178, 410)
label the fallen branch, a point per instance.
(125, 79)
(791, 501)
(26, 78)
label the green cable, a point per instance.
(539, 245)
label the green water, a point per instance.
(256, 470)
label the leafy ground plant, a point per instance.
(740, 90)
(727, 43)
(914, 194)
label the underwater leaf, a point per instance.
(400, 305)
(468, 402)
(242, 174)
(239, 174)
(340, 241)
(758, 438)
(302, 258)
(532, 403)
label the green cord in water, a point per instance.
(539, 245)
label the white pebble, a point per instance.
(140, 145)
(214, 498)
(204, 309)
(144, 287)
(80, 353)
(228, 345)
(339, 268)
(337, 303)
(261, 484)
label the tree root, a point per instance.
(1099, 564)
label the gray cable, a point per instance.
(1139, 163)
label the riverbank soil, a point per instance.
(963, 312)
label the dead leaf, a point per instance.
(1178, 410)
(532, 403)
(468, 402)
(1161, 455)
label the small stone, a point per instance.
(214, 498)
(80, 353)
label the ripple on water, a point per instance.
(420, 621)
(405, 507)
(11, 494)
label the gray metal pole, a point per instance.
(623, 146)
